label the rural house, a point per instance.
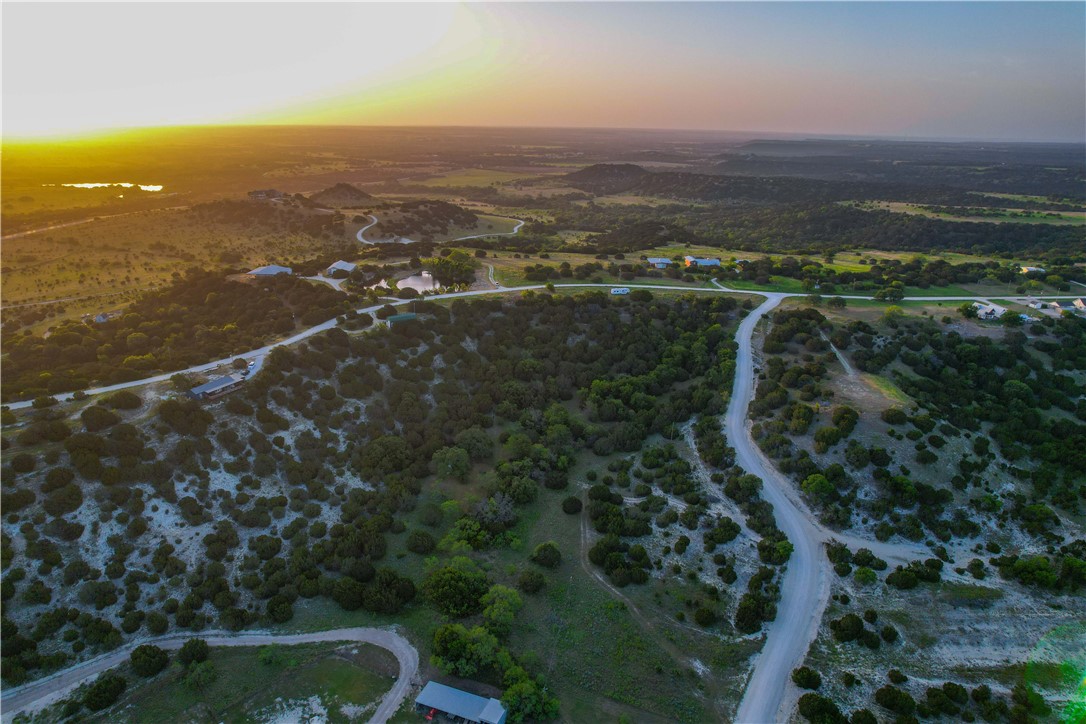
(658, 262)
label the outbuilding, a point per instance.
(217, 387)
(458, 705)
(344, 266)
(989, 311)
(700, 262)
(270, 270)
(402, 318)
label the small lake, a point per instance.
(422, 282)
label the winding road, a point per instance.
(41, 693)
(804, 586)
(363, 240)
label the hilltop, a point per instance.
(607, 178)
(342, 194)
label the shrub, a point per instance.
(806, 678)
(847, 628)
(705, 616)
(894, 416)
(546, 555)
(103, 692)
(421, 542)
(124, 400)
(148, 660)
(572, 505)
(896, 700)
(531, 581)
(819, 709)
(456, 589)
(193, 652)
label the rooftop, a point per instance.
(461, 703)
(271, 270)
(217, 384)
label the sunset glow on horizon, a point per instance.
(963, 70)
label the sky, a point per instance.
(1009, 71)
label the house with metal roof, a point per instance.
(659, 262)
(458, 705)
(270, 270)
(401, 318)
(216, 388)
(699, 262)
(341, 265)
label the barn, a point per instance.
(437, 699)
(270, 270)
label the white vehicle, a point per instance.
(620, 290)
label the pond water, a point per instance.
(421, 282)
(121, 184)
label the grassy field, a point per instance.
(487, 224)
(473, 177)
(1026, 197)
(136, 251)
(342, 678)
(1012, 216)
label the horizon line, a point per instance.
(774, 135)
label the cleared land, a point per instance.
(340, 683)
(1011, 216)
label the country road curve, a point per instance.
(362, 239)
(41, 693)
(359, 236)
(257, 355)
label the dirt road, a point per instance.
(41, 693)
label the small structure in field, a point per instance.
(1032, 270)
(270, 270)
(401, 318)
(700, 262)
(265, 194)
(343, 266)
(1079, 304)
(989, 311)
(458, 705)
(658, 262)
(217, 387)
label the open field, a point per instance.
(488, 224)
(474, 177)
(138, 251)
(1012, 216)
(1027, 197)
(344, 680)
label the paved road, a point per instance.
(362, 239)
(43, 692)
